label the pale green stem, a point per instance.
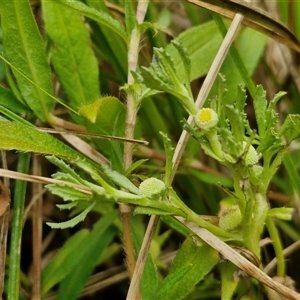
(273, 232)
(214, 142)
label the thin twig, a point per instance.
(131, 112)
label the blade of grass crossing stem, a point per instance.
(24, 48)
(292, 172)
(16, 233)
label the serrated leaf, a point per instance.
(17, 136)
(67, 193)
(290, 128)
(25, 50)
(190, 255)
(74, 221)
(185, 59)
(74, 61)
(237, 123)
(260, 108)
(98, 16)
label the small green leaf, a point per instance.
(74, 221)
(282, 213)
(185, 59)
(67, 193)
(98, 16)
(169, 151)
(25, 50)
(135, 165)
(260, 108)
(290, 128)
(236, 121)
(190, 267)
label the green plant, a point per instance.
(102, 179)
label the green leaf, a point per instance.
(260, 108)
(98, 16)
(102, 112)
(228, 281)
(129, 17)
(72, 56)
(95, 244)
(10, 101)
(290, 128)
(169, 151)
(135, 165)
(74, 221)
(25, 50)
(236, 120)
(64, 261)
(17, 136)
(74, 251)
(282, 213)
(185, 59)
(67, 193)
(190, 255)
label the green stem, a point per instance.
(215, 143)
(16, 231)
(193, 217)
(273, 232)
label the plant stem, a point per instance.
(132, 107)
(273, 232)
(16, 233)
(37, 229)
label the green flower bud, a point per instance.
(206, 118)
(252, 156)
(152, 187)
(231, 218)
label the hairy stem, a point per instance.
(131, 113)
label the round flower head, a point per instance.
(206, 118)
(152, 187)
(231, 218)
(252, 156)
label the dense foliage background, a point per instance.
(67, 64)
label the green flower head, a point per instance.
(152, 187)
(206, 118)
